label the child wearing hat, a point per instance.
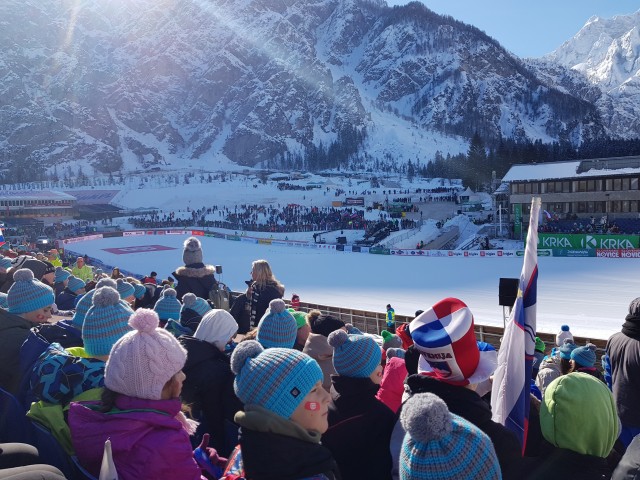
(439, 445)
(304, 329)
(126, 291)
(452, 364)
(583, 360)
(168, 306)
(359, 424)
(86, 301)
(140, 411)
(60, 278)
(208, 388)
(285, 413)
(192, 310)
(29, 304)
(277, 328)
(555, 365)
(71, 294)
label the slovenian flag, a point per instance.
(2, 242)
(511, 380)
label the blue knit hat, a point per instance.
(354, 355)
(584, 356)
(5, 263)
(3, 301)
(277, 379)
(86, 301)
(75, 283)
(60, 275)
(566, 349)
(125, 289)
(441, 445)
(27, 294)
(168, 306)
(277, 328)
(139, 290)
(106, 321)
(197, 304)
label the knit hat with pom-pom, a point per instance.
(60, 275)
(441, 445)
(143, 361)
(389, 340)
(168, 306)
(277, 328)
(355, 356)
(197, 304)
(85, 303)
(567, 347)
(125, 289)
(28, 294)
(75, 283)
(192, 252)
(564, 333)
(277, 379)
(106, 322)
(585, 356)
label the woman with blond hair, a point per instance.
(264, 287)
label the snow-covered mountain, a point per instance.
(607, 53)
(125, 85)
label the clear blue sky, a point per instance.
(528, 28)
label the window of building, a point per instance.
(625, 183)
(633, 183)
(617, 184)
(566, 187)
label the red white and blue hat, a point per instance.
(447, 343)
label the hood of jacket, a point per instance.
(578, 413)
(195, 270)
(318, 348)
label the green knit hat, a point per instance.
(540, 346)
(301, 317)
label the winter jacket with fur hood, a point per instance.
(196, 278)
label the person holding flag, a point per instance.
(511, 381)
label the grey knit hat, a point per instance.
(192, 252)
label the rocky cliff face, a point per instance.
(141, 84)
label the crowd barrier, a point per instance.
(542, 252)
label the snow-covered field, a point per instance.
(589, 294)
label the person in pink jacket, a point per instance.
(392, 384)
(140, 411)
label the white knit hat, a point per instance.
(216, 327)
(563, 334)
(143, 361)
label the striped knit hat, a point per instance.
(27, 294)
(567, 347)
(277, 379)
(75, 283)
(355, 356)
(5, 263)
(584, 356)
(125, 289)
(197, 304)
(85, 303)
(61, 275)
(277, 328)
(139, 290)
(3, 301)
(105, 322)
(168, 306)
(441, 445)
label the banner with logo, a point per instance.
(579, 241)
(613, 253)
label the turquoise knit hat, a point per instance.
(139, 290)
(85, 302)
(75, 283)
(27, 294)
(197, 304)
(5, 263)
(439, 445)
(125, 289)
(168, 306)
(277, 379)
(585, 356)
(566, 349)
(3, 301)
(106, 321)
(60, 275)
(354, 355)
(277, 328)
